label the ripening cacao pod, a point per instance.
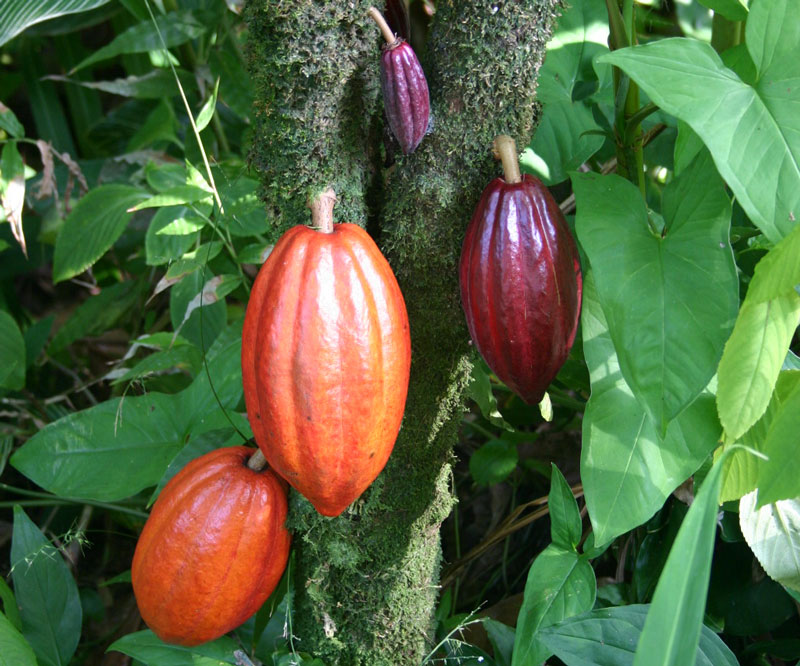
(213, 549)
(520, 280)
(405, 90)
(325, 359)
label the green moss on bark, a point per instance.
(367, 581)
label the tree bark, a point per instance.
(366, 582)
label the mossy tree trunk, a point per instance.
(366, 582)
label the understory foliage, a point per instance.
(647, 513)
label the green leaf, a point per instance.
(733, 10)
(561, 143)
(582, 34)
(159, 126)
(207, 112)
(778, 271)
(608, 637)
(747, 129)
(742, 469)
(627, 469)
(21, 14)
(97, 314)
(46, 592)
(153, 85)
(92, 227)
(119, 447)
(244, 211)
(146, 647)
(773, 534)
(181, 358)
(236, 90)
(560, 584)
(777, 477)
(501, 636)
(161, 249)
(687, 147)
(9, 123)
(14, 649)
(183, 194)
(493, 462)
(565, 517)
(10, 605)
(675, 619)
(12, 353)
(480, 390)
(670, 299)
(12, 190)
(175, 28)
(752, 359)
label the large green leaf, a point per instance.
(733, 10)
(92, 227)
(175, 28)
(581, 35)
(561, 142)
(144, 646)
(742, 468)
(777, 476)
(778, 272)
(20, 14)
(157, 84)
(773, 534)
(675, 619)
(627, 469)
(46, 592)
(750, 130)
(12, 353)
(14, 649)
(119, 447)
(670, 298)
(608, 637)
(752, 360)
(560, 583)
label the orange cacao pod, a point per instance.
(325, 360)
(213, 549)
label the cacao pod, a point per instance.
(405, 90)
(213, 549)
(520, 282)
(325, 360)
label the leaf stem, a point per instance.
(322, 210)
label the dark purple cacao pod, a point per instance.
(521, 284)
(405, 95)
(405, 90)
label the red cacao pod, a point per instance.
(405, 90)
(213, 549)
(520, 283)
(325, 360)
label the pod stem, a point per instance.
(322, 210)
(386, 31)
(506, 150)
(257, 461)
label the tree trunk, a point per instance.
(366, 582)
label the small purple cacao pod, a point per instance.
(521, 283)
(405, 90)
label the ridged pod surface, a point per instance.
(405, 89)
(213, 549)
(326, 354)
(521, 284)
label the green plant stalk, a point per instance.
(367, 581)
(627, 124)
(724, 33)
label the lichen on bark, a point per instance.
(366, 582)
